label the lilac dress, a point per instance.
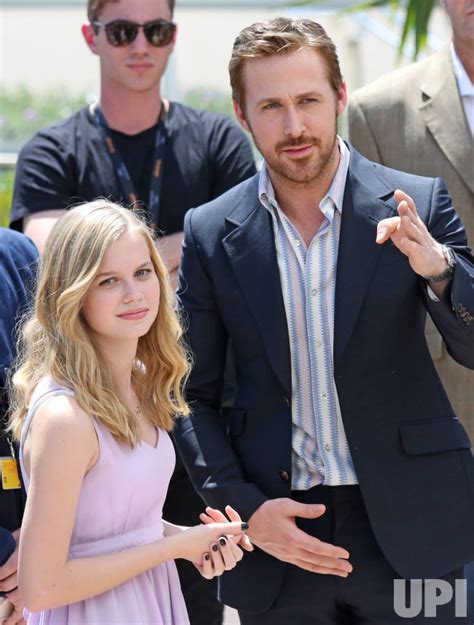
(120, 506)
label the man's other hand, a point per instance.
(272, 527)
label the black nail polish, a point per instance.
(245, 525)
(215, 547)
(207, 557)
(222, 541)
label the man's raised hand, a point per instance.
(411, 237)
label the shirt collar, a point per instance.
(465, 86)
(335, 193)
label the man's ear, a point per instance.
(89, 36)
(240, 116)
(341, 98)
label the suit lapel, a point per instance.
(250, 247)
(367, 200)
(443, 114)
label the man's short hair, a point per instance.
(280, 36)
(94, 8)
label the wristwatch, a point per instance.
(450, 257)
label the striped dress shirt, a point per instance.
(320, 453)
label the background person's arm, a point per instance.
(169, 248)
(46, 179)
(37, 226)
(18, 261)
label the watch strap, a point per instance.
(449, 271)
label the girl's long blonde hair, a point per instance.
(55, 340)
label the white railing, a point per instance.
(8, 160)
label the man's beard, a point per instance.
(305, 169)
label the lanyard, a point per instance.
(122, 172)
(12, 449)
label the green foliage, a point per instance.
(23, 112)
(210, 100)
(417, 17)
(6, 192)
(418, 13)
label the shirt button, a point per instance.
(322, 395)
(284, 475)
(318, 343)
(327, 447)
(297, 242)
(314, 292)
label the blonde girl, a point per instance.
(94, 397)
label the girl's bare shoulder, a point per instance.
(59, 421)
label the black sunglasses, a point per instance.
(121, 33)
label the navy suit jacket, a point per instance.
(411, 454)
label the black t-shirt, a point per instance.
(138, 157)
(68, 163)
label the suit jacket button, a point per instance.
(284, 475)
(286, 401)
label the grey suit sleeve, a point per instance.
(360, 133)
(213, 466)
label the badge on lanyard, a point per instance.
(9, 468)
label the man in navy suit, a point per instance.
(343, 451)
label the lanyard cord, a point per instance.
(121, 170)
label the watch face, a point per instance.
(450, 256)
(451, 259)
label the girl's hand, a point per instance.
(195, 542)
(223, 556)
(216, 516)
(9, 584)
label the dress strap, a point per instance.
(36, 403)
